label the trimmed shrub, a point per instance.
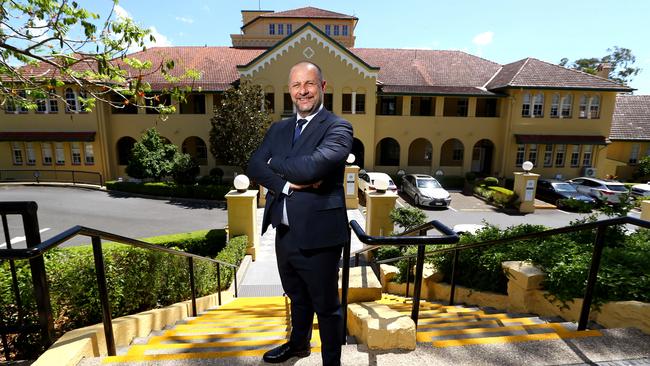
(498, 196)
(574, 205)
(490, 181)
(184, 169)
(408, 217)
(165, 189)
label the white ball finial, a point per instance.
(351, 158)
(527, 166)
(241, 183)
(381, 185)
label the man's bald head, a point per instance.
(308, 65)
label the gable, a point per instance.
(308, 33)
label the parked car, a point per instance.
(553, 190)
(367, 181)
(425, 190)
(468, 228)
(641, 190)
(604, 191)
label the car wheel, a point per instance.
(417, 200)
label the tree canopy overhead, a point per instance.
(46, 44)
(620, 59)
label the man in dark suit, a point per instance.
(301, 161)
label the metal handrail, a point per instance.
(449, 237)
(35, 250)
(599, 244)
(36, 173)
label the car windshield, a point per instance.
(564, 187)
(616, 187)
(428, 183)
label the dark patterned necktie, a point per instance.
(296, 132)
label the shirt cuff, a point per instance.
(286, 189)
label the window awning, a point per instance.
(562, 139)
(48, 136)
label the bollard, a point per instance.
(242, 213)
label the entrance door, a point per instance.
(478, 161)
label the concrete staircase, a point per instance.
(247, 327)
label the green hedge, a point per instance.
(137, 279)
(169, 189)
(574, 205)
(624, 273)
(498, 196)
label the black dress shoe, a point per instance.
(284, 352)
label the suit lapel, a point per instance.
(311, 128)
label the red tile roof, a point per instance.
(533, 73)
(307, 12)
(631, 119)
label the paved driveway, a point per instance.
(60, 208)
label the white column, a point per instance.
(354, 102)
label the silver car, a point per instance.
(605, 191)
(425, 190)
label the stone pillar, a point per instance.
(525, 186)
(645, 210)
(523, 280)
(379, 205)
(351, 185)
(242, 217)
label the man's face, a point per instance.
(306, 89)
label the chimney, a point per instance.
(604, 69)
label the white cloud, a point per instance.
(185, 20)
(483, 39)
(161, 40)
(121, 12)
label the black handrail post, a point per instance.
(100, 272)
(190, 262)
(408, 276)
(39, 276)
(419, 269)
(345, 283)
(356, 260)
(219, 283)
(14, 276)
(453, 277)
(599, 244)
(234, 271)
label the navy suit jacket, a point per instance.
(317, 216)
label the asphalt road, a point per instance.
(60, 208)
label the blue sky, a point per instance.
(502, 31)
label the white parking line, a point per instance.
(451, 208)
(18, 239)
(564, 212)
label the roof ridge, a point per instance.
(581, 72)
(520, 69)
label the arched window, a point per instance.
(420, 152)
(71, 100)
(387, 152)
(124, 147)
(452, 153)
(197, 149)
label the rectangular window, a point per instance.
(634, 154)
(31, 153)
(587, 155)
(289, 29)
(560, 152)
(280, 28)
(269, 102)
(54, 103)
(10, 106)
(583, 106)
(360, 104)
(344, 30)
(423, 106)
(194, 104)
(487, 107)
(519, 158)
(548, 155)
(46, 151)
(567, 106)
(457, 152)
(120, 105)
(555, 106)
(538, 105)
(336, 30)
(327, 29)
(59, 153)
(532, 153)
(272, 29)
(525, 105)
(347, 103)
(76, 153)
(455, 107)
(328, 101)
(157, 100)
(594, 107)
(389, 106)
(70, 100)
(17, 153)
(41, 105)
(575, 156)
(217, 98)
(287, 103)
(89, 154)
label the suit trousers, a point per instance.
(310, 279)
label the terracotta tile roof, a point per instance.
(307, 12)
(434, 89)
(533, 73)
(428, 67)
(631, 119)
